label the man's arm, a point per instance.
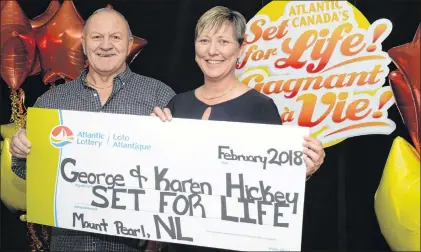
(19, 164)
(19, 167)
(164, 95)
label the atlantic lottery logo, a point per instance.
(61, 136)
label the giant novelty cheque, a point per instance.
(218, 184)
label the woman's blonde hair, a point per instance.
(217, 17)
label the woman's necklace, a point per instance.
(219, 96)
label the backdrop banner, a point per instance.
(323, 64)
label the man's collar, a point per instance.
(124, 76)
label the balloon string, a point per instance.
(36, 244)
(18, 108)
(45, 235)
(22, 108)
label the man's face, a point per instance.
(106, 43)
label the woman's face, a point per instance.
(217, 51)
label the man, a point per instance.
(107, 86)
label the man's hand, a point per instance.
(20, 145)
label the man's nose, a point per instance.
(106, 44)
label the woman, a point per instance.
(219, 40)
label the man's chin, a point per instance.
(109, 69)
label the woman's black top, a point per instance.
(250, 107)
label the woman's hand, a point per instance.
(163, 114)
(314, 154)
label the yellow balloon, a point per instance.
(397, 199)
(13, 188)
(7, 130)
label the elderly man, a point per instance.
(107, 86)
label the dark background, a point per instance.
(339, 207)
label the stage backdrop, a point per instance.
(339, 208)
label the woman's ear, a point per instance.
(242, 48)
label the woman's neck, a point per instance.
(215, 87)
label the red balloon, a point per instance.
(36, 67)
(137, 47)
(57, 59)
(17, 45)
(42, 19)
(37, 24)
(72, 46)
(407, 104)
(406, 85)
(418, 34)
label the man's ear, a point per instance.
(83, 45)
(130, 46)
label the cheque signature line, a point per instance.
(249, 236)
(150, 211)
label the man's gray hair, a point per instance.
(129, 32)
